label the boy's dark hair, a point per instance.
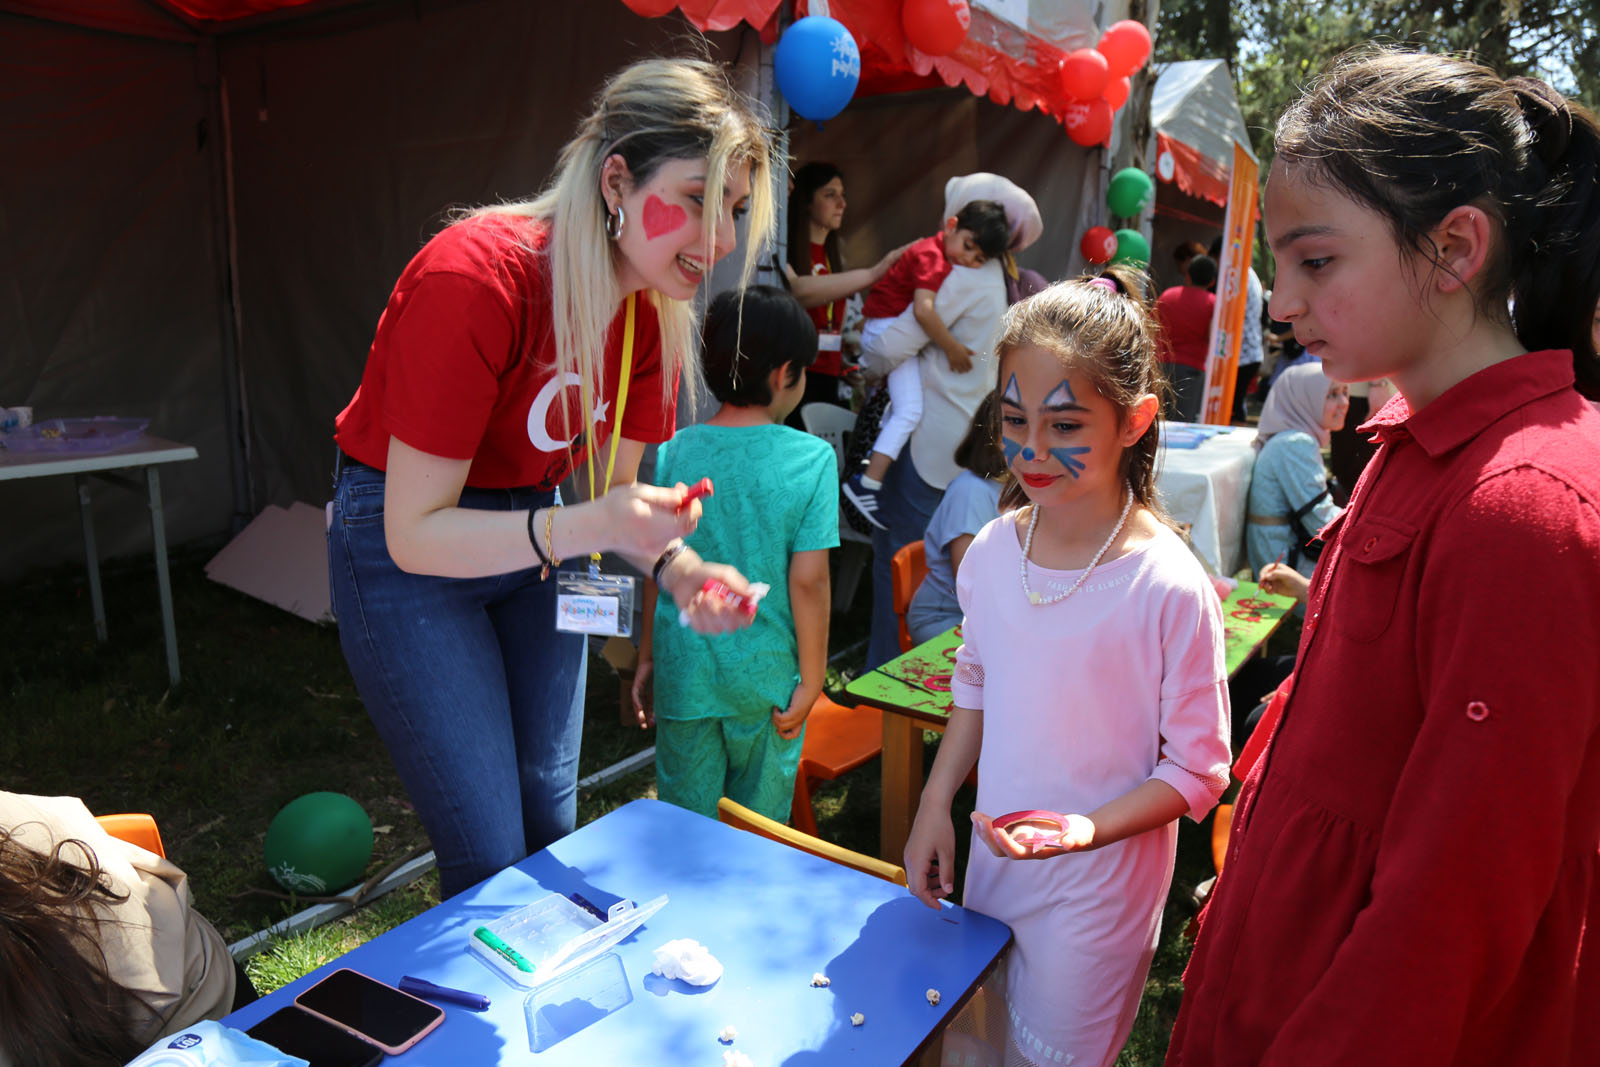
(980, 451)
(748, 334)
(1414, 136)
(1187, 250)
(1202, 271)
(987, 221)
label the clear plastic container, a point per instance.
(99, 434)
(554, 935)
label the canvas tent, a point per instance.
(1195, 119)
(206, 202)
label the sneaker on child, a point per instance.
(861, 500)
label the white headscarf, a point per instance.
(1022, 214)
(1296, 403)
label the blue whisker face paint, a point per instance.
(1068, 458)
(1011, 448)
(1012, 393)
(1061, 396)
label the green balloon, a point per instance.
(1130, 192)
(319, 843)
(1132, 248)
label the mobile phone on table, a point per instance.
(299, 1033)
(380, 1013)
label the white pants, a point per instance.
(905, 398)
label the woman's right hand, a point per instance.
(930, 856)
(642, 520)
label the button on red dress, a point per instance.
(1413, 875)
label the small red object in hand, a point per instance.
(714, 588)
(695, 492)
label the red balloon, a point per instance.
(1088, 122)
(1084, 74)
(1099, 244)
(1126, 45)
(935, 27)
(1116, 93)
(651, 9)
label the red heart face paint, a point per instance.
(661, 218)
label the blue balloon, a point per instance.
(818, 66)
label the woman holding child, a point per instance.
(446, 517)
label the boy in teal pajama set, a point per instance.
(729, 709)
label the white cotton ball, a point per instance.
(688, 960)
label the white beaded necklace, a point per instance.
(1027, 543)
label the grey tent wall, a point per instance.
(109, 275)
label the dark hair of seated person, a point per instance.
(980, 451)
(747, 335)
(57, 997)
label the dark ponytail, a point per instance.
(1413, 136)
(1556, 279)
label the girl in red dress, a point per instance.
(1414, 859)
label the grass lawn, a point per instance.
(266, 712)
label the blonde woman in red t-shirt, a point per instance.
(493, 375)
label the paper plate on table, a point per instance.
(99, 434)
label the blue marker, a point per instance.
(421, 987)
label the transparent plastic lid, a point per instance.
(553, 936)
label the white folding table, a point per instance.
(146, 453)
(1209, 487)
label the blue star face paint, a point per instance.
(1068, 458)
(1060, 398)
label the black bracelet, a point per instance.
(673, 551)
(533, 539)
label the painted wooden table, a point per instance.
(914, 690)
(771, 914)
(144, 454)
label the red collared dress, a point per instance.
(1413, 875)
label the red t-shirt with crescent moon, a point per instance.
(463, 364)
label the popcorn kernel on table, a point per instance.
(933, 996)
(819, 979)
(857, 1019)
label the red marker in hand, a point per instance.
(695, 492)
(746, 604)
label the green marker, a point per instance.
(487, 936)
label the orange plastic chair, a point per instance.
(838, 740)
(908, 568)
(136, 829)
(741, 817)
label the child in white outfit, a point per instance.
(1090, 684)
(970, 237)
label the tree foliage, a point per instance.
(1275, 47)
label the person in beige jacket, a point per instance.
(101, 951)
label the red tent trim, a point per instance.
(1195, 174)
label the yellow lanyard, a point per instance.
(622, 405)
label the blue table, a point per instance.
(773, 915)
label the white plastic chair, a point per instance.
(833, 424)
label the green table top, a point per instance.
(917, 683)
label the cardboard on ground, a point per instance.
(282, 558)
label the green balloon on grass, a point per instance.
(1132, 248)
(319, 843)
(1130, 192)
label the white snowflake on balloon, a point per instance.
(846, 57)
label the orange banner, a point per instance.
(1227, 321)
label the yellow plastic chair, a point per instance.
(741, 817)
(134, 828)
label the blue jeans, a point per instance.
(907, 503)
(476, 696)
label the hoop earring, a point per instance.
(615, 223)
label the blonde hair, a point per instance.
(650, 113)
(1109, 334)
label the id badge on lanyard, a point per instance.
(592, 602)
